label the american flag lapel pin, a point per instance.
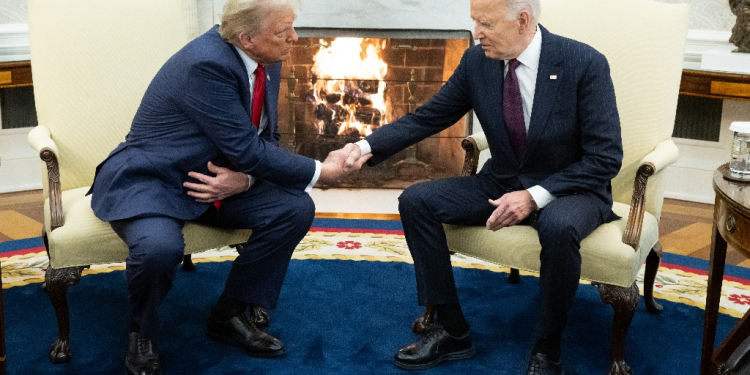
(553, 77)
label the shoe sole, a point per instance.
(224, 340)
(463, 354)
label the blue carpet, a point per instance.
(343, 317)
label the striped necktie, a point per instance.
(513, 110)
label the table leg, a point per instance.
(734, 339)
(713, 296)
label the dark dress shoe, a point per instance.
(540, 365)
(142, 358)
(239, 331)
(434, 347)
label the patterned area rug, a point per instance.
(678, 280)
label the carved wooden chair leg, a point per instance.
(652, 267)
(624, 302)
(58, 281)
(514, 277)
(187, 263)
(423, 324)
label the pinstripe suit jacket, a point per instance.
(573, 143)
(196, 109)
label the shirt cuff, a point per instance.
(364, 146)
(541, 196)
(250, 182)
(315, 177)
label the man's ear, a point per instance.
(246, 42)
(524, 21)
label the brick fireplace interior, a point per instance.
(321, 108)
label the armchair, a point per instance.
(643, 41)
(92, 61)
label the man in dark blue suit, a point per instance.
(206, 131)
(547, 106)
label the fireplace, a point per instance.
(342, 84)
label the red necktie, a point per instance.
(259, 93)
(513, 110)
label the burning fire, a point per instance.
(348, 87)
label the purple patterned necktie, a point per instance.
(513, 110)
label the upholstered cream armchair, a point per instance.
(92, 61)
(644, 42)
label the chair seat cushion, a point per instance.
(85, 240)
(605, 258)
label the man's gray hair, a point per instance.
(516, 6)
(249, 16)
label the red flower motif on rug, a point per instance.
(740, 299)
(349, 245)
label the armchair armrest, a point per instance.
(40, 140)
(473, 145)
(664, 155)
(656, 161)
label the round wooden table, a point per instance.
(731, 225)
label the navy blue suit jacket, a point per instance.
(196, 110)
(573, 142)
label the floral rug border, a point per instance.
(672, 284)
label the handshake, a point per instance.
(342, 162)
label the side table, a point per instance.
(731, 225)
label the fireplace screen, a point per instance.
(340, 85)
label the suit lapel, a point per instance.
(244, 80)
(272, 93)
(547, 83)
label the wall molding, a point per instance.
(14, 42)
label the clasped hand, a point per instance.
(223, 184)
(341, 162)
(510, 209)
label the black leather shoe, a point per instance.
(434, 347)
(142, 358)
(239, 331)
(540, 365)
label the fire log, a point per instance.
(368, 115)
(349, 99)
(331, 128)
(341, 114)
(333, 98)
(364, 102)
(369, 86)
(322, 112)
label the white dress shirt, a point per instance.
(526, 72)
(251, 65)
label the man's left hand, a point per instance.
(225, 183)
(510, 209)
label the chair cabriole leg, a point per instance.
(652, 267)
(187, 263)
(624, 302)
(514, 277)
(58, 281)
